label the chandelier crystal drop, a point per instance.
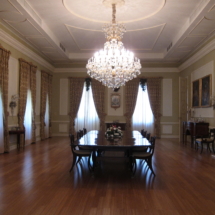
(113, 65)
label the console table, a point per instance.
(194, 129)
(18, 132)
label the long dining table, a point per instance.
(100, 143)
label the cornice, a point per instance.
(201, 53)
(23, 49)
(145, 69)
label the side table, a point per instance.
(18, 133)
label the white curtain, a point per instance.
(1, 126)
(87, 116)
(46, 129)
(143, 117)
(28, 118)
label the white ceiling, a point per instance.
(68, 31)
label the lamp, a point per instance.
(113, 65)
(13, 104)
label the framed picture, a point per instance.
(206, 91)
(196, 93)
(115, 100)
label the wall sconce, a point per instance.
(13, 103)
(191, 112)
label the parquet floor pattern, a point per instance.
(36, 181)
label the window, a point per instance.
(143, 117)
(1, 126)
(87, 116)
(28, 118)
(46, 129)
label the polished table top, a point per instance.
(97, 139)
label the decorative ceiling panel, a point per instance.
(71, 30)
(191, 41)
(41, 42)
(24, 27)
(204, 27)
(53, 55)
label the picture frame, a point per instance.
(205, 89)
(115, 100)
(196, 93)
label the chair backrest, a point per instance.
(78, 136)
(152, 147)
(84, 130)
(81, 132)
(72, 139)
(144, 133)
(148, 135)
(212, 133)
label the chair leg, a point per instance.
(150, 165)
(79, 159)
(130, 163)
(74, 161)
(134, 161)
(196, 146)
(89, 166)
(208, 147)
(213, 147)
(201, 148)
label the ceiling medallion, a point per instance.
(113, 65)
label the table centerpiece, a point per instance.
(113, 132)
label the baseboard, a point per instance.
(59, 135)
(170, 136)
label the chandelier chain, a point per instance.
(114, 13)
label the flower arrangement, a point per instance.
(114, 131)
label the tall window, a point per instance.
(1, 126)
(28, 118)
(143, 117)
(46, 129)
(87, 116)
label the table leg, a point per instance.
(213, 147)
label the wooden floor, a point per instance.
(37, 181)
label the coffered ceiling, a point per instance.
(70, 31)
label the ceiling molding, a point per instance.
(23, 49)
(200, 54)
(98, 20)
(70, 70)
(143, 70)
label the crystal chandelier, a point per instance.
(113, 65)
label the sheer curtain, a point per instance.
(87, 116)
(143, 117)
(28, 118)
(1, 126)
(46, 129)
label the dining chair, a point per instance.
(79, 153)
(78, 135)
(144, 133)
(81, 132)
(84, 131)
(146, 156)
(148, 135)
(207, 141)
